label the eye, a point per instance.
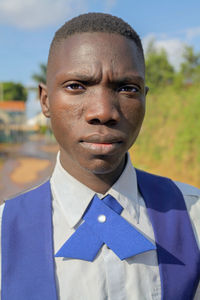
(74, 86)
(128, 89)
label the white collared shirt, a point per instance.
(107, 277)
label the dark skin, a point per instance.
(95, 97)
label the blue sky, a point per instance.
(27, 27)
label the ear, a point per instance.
(146, 90)
(44, 100)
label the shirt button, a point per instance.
(101, 218)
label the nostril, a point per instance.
(111, 122)
(97, 121)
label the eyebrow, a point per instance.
(95, 78)
(85, 77)
(129, 78)
(78, 76)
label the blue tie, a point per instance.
(103, 224)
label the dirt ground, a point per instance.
(22, 175)
(24, 166)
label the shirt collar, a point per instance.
(74, 197)
(125, 189)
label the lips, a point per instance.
(102, 144)
(102, 139)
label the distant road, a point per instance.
(25, 165)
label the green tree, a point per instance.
(41, 76)
(13, 91)
(190, 68)
(159, 72)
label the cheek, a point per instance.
(134, 113)
(64, 116)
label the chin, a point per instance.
(102, 167)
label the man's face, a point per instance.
(95, 97)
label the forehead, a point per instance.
(90, 52)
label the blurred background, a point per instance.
(169, 143)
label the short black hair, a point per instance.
(96, 22)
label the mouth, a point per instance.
(101, 144)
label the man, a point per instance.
(100, 229)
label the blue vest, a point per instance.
(27, 243)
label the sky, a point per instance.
(27, 28)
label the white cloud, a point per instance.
(192, 33)
(174, 48)
(147, 39)
(28, 14)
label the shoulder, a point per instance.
(29, 204)
(1, 210)
(190, 193)
(191, 196)
(187, 189)
(35, 193)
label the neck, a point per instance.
(100, 183)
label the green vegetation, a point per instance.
(13, 91)
(169, 143)
(40, 77)
(159, 72)
(16, 91)
(190, 68)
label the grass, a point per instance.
(169, 142)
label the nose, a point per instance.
(103, 108)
